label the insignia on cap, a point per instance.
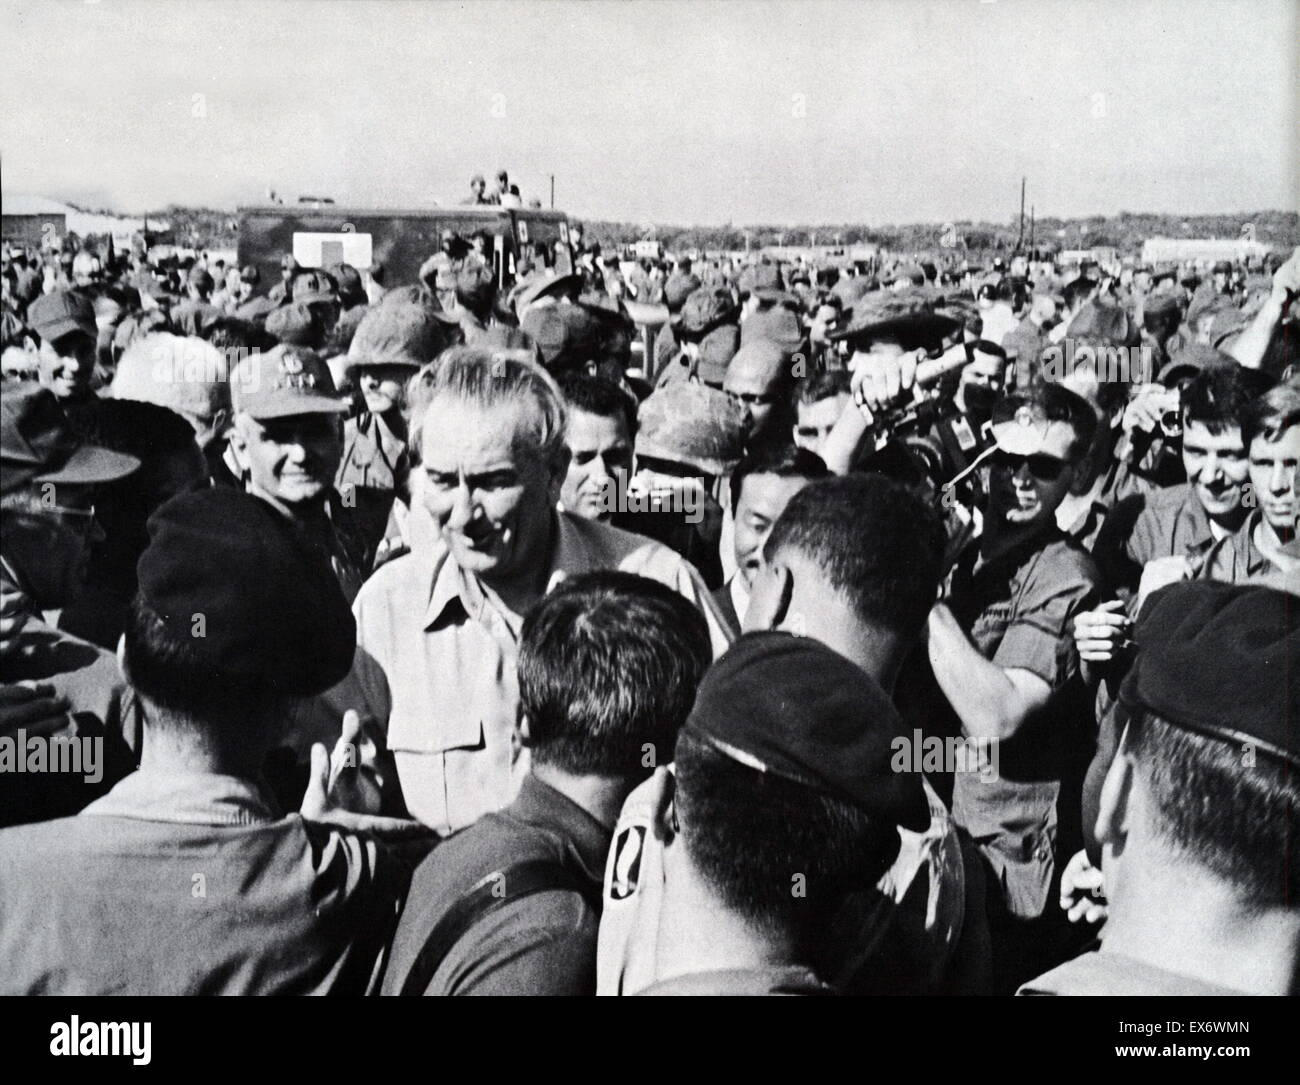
(1025, 415)
(291, 365)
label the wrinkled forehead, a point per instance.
(455, 429)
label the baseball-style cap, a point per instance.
(404, 332)
(564, 334)
(1221, 267)
(716, 351)
(691, 423)
(37, 445)
(249, 274)
(1022, 428)
(678, 288)
(1220, 660)
(707, 308)
(282, 382)
(275, 612)
(200, 277)
(292, 323)
(777, 324)
(791, 707)
(61, 313)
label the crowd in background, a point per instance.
(904, 628)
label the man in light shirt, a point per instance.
(438, 628)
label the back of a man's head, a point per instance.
(1242, 827)
(235, 613)
(1212, 741)
(875, 541)
(608, 667)
(749, 833)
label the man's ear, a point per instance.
(522, 729)
(1079, 476)
(769, 602)
(662, 790)
(1113, 804)
(557, 469)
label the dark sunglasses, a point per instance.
(1043, 467)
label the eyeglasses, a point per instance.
(1043, 467)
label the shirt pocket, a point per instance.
(415, 729)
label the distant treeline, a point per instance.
(202, 227)
(1125, 231)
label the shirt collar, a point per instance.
(540, 804)
(570, 556)
(198, 798)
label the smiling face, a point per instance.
(1216, 467)
(290, 460)
(488, 489)
(1273, 478)
(600, 447)
(66, 365)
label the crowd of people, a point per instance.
(919, 627)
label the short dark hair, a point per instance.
(1272, 414)
(877, 542)
(1242, 825)
(1218, 397)
(827, 384)
(168, 671)
(608, 665)
(749, 834)
(776, 458)
(599, 396)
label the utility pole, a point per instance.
(1021, 239)
(1031, 228)
(552, 192)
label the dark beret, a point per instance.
(272, 608)
(1221, 660)
(790, 706)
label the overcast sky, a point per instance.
(753, 112)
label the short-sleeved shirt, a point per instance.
(1019, 611)
(179, 884)
(542, 944)
(435, 663)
